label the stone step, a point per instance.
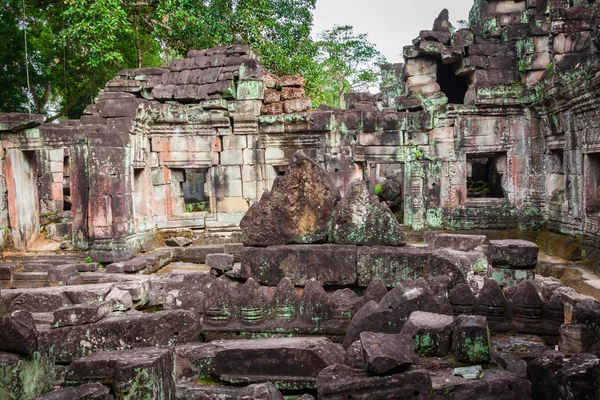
(26, 280)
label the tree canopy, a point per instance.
(73, 47)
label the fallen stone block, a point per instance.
(258, 391)
(340, 382)
(513, 254)
(80, 314)
(328, 264)
(291, 363)
(471, 339)
(165, 328)
(221, 262)
(391, 313)
(196, 254)
(587, 312)
(25, 378)
(88, 391)
(432, 333)
(492, 385)
(195, 360)
(18, 333)
(60, 274)
(145, 373)
(87, 266)
(575, 339)
(119, 300)
(383, 352)
(556, 376)
(178, 242)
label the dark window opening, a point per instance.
(66, 184)
(192, 186)
(485, 179)
(454, 87)
(592, 187)
(280, 169)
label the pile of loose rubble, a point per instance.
(326, 299)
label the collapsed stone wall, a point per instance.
(492, 126)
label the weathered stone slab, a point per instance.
(340, 382)
(25, 378)
(81, 314)
(432, 333)
(197, 254)
(493, 385)
(52, 298)
(456, 242)
(393, 265)
(291, 363)
(178, 242)
(297, 208)
(166, 328)
(259, 391)
(513, 254)
(145, 373)
(222, 262)
(361, 219)
(384, 352)
(88, 391)
(328, 264)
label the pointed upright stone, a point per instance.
(254, 305)
(297, 208)
(316, 305)
(286, 301)
(361, 219)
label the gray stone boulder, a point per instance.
(361, 219)
(297, 208)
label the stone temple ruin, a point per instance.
(202, 233)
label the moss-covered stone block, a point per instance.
(471, 339)
(24, 378)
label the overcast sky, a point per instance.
(391, 24)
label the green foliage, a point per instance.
(76, 46)
(378, 189)
(88, 260)
(349, 63)
(197, 207)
